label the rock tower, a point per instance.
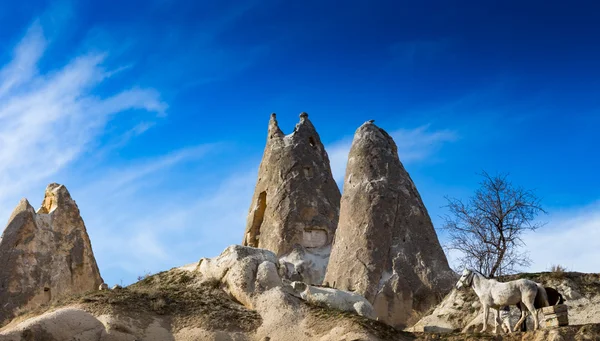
(295, 207)
(45, 255)
(385, 246)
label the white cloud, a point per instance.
(571, 239)
(413, 145)
(48, 119)
(141, 216)
(143, 224)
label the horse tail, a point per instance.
(541, 298)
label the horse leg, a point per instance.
(524, 325)
(523, 316)
(531, 307)
(498, 321)
(486, 311)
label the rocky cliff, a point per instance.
(295, 206)
(385, 246)
(45, 255)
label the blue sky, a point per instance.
(154, 113)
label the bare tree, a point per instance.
(486, 230)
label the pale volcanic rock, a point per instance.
(385, 247)
(295, 207)
(45, 255)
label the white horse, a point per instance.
(494, 294)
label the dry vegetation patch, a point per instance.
(176, 296)
(326, 317)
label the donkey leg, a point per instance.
(486, 311)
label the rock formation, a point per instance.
(189, 303)
(334, 298)
(385, 246)
(45, 255)
(244, 272)
(295, 207)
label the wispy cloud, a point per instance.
(571, 239)
(145, 224)
(143, 215)
(48, 119)
(413, 145)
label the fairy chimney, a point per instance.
(45, 255)
(295, 207)
(385, 246)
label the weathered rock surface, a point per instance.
(188, 303)
(334, 298)
(244, 272)
(295, 206)
(385, 246)
(45, 255)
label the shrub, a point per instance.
(558, 271)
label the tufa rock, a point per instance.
(385, 246)
(244, 272)
(45, 255)
(334, 299)
(295, 207)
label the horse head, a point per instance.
(466, 279)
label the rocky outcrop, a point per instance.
(45, 255)
(295, 207)
(188, 303)
(385, 246)
(334, 298)
(244, 272)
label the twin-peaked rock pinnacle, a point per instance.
(45, 255)
(295, 207)
(385, 246)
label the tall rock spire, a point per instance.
(295, 207)
(45, 255)
(385, 246)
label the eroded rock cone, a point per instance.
(45, 255)
(385, 246)
(295, 207)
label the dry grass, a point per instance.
(174, 295)
(558, 271)
(331, 317)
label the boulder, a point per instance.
(295, 206)
(243, 271)
(45, 255)
(334, 298)
(385, 246)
